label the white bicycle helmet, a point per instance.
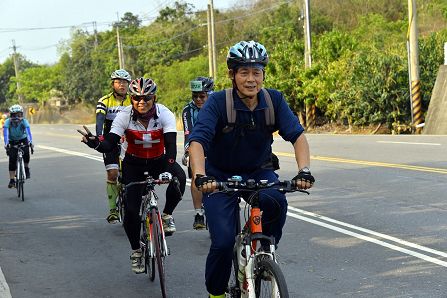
(142, 87)
(15, 109)
(120, 74)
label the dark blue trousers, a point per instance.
(221, 211)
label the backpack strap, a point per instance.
(270, 111)
(231, 112)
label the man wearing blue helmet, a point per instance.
(242, 148)
(201, 88)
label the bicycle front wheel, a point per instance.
(146, 244)
(158, 239)
(233, 290)
(269, 280)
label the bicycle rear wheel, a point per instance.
(21, 193)
(269, 279)
(159, 249)
(120, 204)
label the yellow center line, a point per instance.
(370, 163)
(321, 158)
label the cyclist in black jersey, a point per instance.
(201, 88)
(106, 110)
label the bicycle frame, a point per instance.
(20, 170)
(149, 208)
(257, 260)
(153, 239)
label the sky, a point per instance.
(27, 21)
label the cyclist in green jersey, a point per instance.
(106, 110)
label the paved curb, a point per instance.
(4, 288)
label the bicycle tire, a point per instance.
(21, 183)
(269, 279)
(18, 169)
(120, 205)
(159, 249)
(150, 260)
(233, 288)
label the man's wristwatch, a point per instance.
(304, 170)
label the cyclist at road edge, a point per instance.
(16, 130)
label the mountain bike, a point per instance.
(153, 241)
(20, 171)
(255, 271)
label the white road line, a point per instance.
(409, 143)
(90, 156)
(4, 288)
(384, 236)
(370, 239)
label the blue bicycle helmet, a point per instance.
(247, 53)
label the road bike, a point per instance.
(153, 240)
(255, 271)
(20, 171)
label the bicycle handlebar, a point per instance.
(19, 146)
(151, 181)
(251, 185)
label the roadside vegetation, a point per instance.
(359, 73)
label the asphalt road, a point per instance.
(375, 224)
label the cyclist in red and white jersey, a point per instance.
(150, 131)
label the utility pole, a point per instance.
(310, 108)
(119, 45)
(17, 70)
(213, 41)
(210, 49)
(95, 31)
(308, 41)
(413, 56)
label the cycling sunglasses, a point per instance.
(146, 98)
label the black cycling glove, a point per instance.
(92, 143)
(304, 176)
(202, 180)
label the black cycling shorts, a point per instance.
(111, 159)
